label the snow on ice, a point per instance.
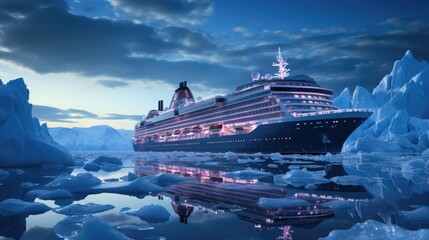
(400, 122)
(373, 230)
(23, 141)
(150, 213)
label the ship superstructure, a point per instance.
(280, 113)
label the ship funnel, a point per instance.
(160, 105)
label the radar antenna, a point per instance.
(283, 71)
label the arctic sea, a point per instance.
(219, 196)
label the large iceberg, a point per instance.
(400, 122)
(23, 141)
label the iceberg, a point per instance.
(23, 141)
(343, 100)
(400, 122)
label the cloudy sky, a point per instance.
(91, 62)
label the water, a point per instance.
(209, 205)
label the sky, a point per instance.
(94, 62)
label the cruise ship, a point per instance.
(270, 114)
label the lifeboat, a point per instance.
(186, 130)
(196, 129)
(168, 134)
(177, 132)
(215, 128)
(155, 136)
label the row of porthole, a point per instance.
(250, 140)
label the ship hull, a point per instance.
(296, 137)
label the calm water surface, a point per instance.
(211, 204)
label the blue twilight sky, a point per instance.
(91, 62)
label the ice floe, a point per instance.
(300, 177)
(13, 206)
(86, 227)
(78, 209)
(247, 174)
(150, 213)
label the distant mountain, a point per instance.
(101, 137)
(400, 122)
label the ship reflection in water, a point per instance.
(209, 190)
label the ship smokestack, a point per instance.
(160, 105)
(185, 84)
(181, 84)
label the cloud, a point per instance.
(45, 37)
(170, 11)
(115, 116)
(52, 114)
(112, 83)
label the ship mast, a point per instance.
(283, 71)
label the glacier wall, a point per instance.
(23, 141)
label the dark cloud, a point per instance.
(171, 11)
(52, 40)
(52, 114)
(112, 83)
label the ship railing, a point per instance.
(333, 111)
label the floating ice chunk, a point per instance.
(373, 230)
(247, 174)
(50, 195)
(272, 203)
(351, 180)
(14, 206)
(86, 227)
(3, 174)
(163, 179)
(272, 165)
(108, 164)
(135, 227)
(130, 177)
(69, 182)
(151, 213)
(276, 156)
(300, 178)
(78, 209)
(420, 214)
(338, 205)
(138, 187)
(92, 167)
